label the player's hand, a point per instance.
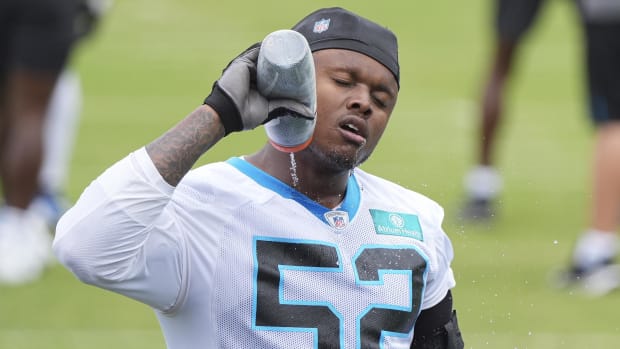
(237, 101)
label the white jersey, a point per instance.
(234, 258)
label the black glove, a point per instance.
(237, 101)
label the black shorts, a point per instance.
(603, 66)
(515, 17)
(36, 34)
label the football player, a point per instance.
(239, 254)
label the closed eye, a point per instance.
(380, 103)
(343, 82)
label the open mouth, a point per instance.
(353, 132)
(351, 128)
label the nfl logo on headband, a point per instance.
(321, 26)
(337, 28)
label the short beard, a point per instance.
(336, 161)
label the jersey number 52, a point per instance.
(272, 312)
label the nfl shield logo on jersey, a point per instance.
(321, 26)
(337, 219)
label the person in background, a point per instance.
(592, 265)
(275, 249)
(483, 183)
(61, 122)
(38, 97)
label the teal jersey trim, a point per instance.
(350, 204)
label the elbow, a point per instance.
(74, 251)
(90, 267)
(95, 261)
(72, 258)
(68, 247)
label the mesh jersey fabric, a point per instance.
(234, 258)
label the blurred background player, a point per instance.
(61, 122)
(592, 259)
(36, 38)
(513, 19)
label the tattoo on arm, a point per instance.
(177, 150)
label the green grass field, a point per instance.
(152, 62)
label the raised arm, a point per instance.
(122, 234)
(176, 151)
(233, 105)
